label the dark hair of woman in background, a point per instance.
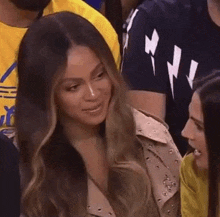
(209, 92)
(205, 140)
(78, 138)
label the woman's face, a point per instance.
(194, 132)
(84, 92)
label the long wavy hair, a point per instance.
(208, 89)
(55, 176)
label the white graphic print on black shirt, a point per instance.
(170, 43)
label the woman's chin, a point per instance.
(95, 121)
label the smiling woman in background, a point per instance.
(203, 133)
(81, 154)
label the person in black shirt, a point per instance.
(169, 44)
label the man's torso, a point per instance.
(183, 44)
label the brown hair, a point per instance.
(56, 175)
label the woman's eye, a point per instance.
(200, 128)
(100, 75)
(73, 87)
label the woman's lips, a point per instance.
(94, 110)
(196, 152)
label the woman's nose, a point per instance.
(91, 92)
(187, 131)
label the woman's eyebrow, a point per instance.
(100, 65)
(80, 79)
(65, 80)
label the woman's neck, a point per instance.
(94, 156)
(91, 147)
(78, 132)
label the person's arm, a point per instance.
(153, 103)
(144, 66)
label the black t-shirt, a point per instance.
(170, 43)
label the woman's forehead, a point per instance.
(195, 107)
(81, 61)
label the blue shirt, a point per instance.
(94, 3)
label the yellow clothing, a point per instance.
(10, 38)
(193, 189)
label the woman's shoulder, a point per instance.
(187, 162)
(189, 170)
(150, 126)
(155, 139)
(162, 160)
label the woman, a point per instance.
(79, 151)
(202, 132)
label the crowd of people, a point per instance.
(96, 120)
